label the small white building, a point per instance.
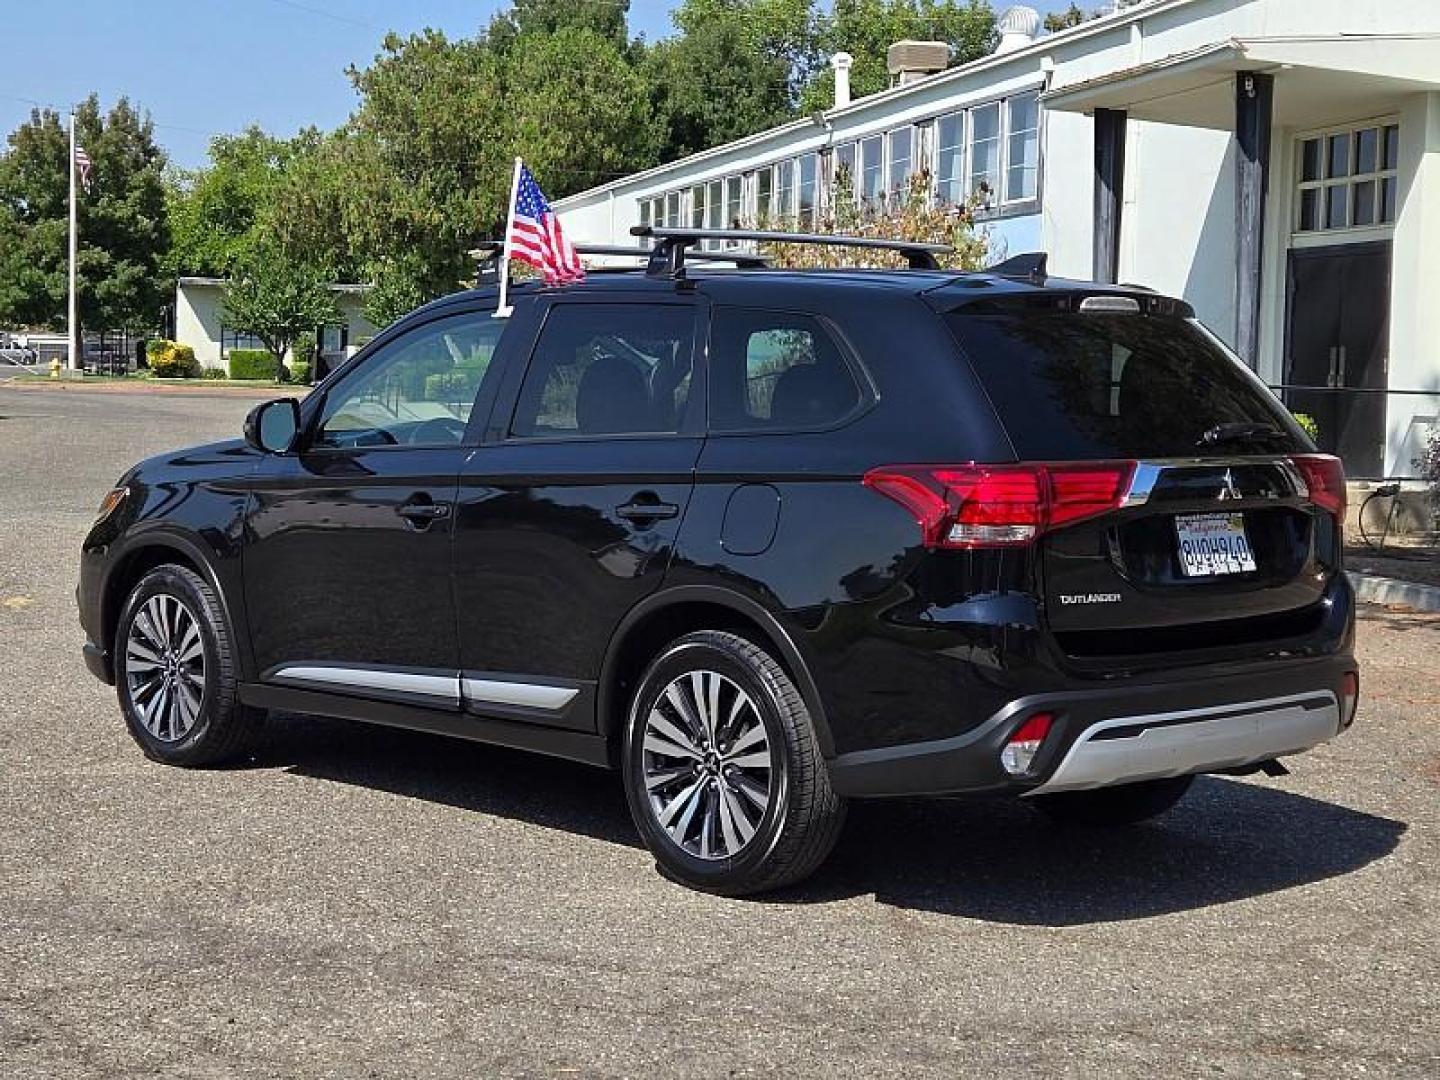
(1274, 162)
(200, 323)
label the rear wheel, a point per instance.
(723, 771)
(175, 672)
(1123, 804)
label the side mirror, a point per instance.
(271, 426)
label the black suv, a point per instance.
(762, 540)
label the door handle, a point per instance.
(637, 510)
(423, 513)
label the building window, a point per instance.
(1022, 169)
(644, 211)
(872, 169)
(785, 190)
(985, 152)
(950, 159)
(672, 209)
(697, 206)
(764, 182)
(1348, 179)
(844, 179)
(734, 202)
(806, 199)
(902, 156)
(229, 339)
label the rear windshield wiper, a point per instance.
(1245, 431)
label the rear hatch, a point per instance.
(1217, 526)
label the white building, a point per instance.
(1275, 162)
(200, 323)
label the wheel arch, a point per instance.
(155, 548)
(667, 615)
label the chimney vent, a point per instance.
(910, 61)
(842, 62)
(1018, 27)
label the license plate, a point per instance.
(1213, 544)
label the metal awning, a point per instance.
(1317, 78)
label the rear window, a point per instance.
(1071, 385)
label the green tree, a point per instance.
(733, 69)
(277, 300)
(606, 18)
(867, 28)
(123, 227)
(1064, 20)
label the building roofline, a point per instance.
(895, 93)
(220, 282)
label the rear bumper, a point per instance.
(1120, 734)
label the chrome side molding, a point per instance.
(429, 688)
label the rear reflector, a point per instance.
(1021, 747)
(1349, 698)
(975, 506)
(1325, 477)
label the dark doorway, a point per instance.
(1338, 342)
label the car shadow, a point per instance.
(992, 859)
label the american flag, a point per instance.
(535, 235)
(82, 162)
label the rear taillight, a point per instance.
(971, 506)
(1325, 477)
(1021, 748)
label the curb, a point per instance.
(1374, 589)
(196, 386)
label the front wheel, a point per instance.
(175, 671)
(1123, 804)
(723, 771)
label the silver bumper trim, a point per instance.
(1147, 747)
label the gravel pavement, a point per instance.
(359, 902)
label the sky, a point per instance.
(207, 67)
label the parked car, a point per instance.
(763, 541)
(13, 352)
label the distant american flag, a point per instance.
(536, 238)
(82, 163)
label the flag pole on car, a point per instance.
(504, 309)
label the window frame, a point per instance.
(868, 395)
(691, 424)
(1324, 183)
(313, 408)
(1008, 135)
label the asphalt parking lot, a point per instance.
(362, 902)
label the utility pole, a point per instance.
(73, 325)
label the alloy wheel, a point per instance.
(164, 666)
(709, 773)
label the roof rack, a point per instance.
(668, 256)
(745, 260)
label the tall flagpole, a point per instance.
(504, 310)
(73, 325)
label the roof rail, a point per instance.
(1030, 265)
(669, 253)
(745, 260)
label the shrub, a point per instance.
(252, 364)
(303, 351)
(154, 347)
(300, 373)
(214, 373)
(1308, 422)
(173, 361)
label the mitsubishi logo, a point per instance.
(1228, 490)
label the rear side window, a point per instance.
(1070, 385)
(776, 370)
(608, 369)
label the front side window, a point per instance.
(1022, 169)
(418, 390)
(607, 369)
(778, 370)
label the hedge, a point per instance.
(252, 364)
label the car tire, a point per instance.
(175, 672)
(1123, 804)
(723, 770)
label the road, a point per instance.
(362, 902)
